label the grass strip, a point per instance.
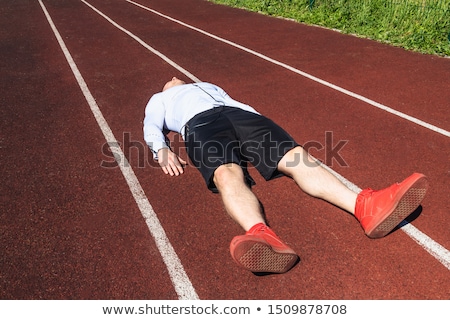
(417, 25)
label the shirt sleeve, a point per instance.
(154, 125)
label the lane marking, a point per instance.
(431, 246)
(144, 44)
(177, 274)
(302, 73)
(428, 244)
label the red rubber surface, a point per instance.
(70, 228)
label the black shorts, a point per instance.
(232, 135)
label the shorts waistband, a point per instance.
(204, 113)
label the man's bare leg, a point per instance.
(239, 201)
(315, 180)
(243, 206)
(379, 212)
(259, 249)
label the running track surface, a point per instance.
(74, 225)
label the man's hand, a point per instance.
(170, 163)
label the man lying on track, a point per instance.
(222, 135)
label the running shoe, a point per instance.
(261, 251)
(379, 212)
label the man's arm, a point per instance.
(154, 137)
(154, 125)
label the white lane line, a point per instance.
(145, 45)
(178, 276)
(302, 73)
(432, 247)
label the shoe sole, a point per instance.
(406, 203)
(259, 257)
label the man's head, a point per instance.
(172, 83)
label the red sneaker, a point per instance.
(261, 251)
(379, 212)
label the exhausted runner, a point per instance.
(223, 135)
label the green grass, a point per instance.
(417, 25)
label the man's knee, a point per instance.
(295, 158)
(228, 174)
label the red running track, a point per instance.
(71, 226)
